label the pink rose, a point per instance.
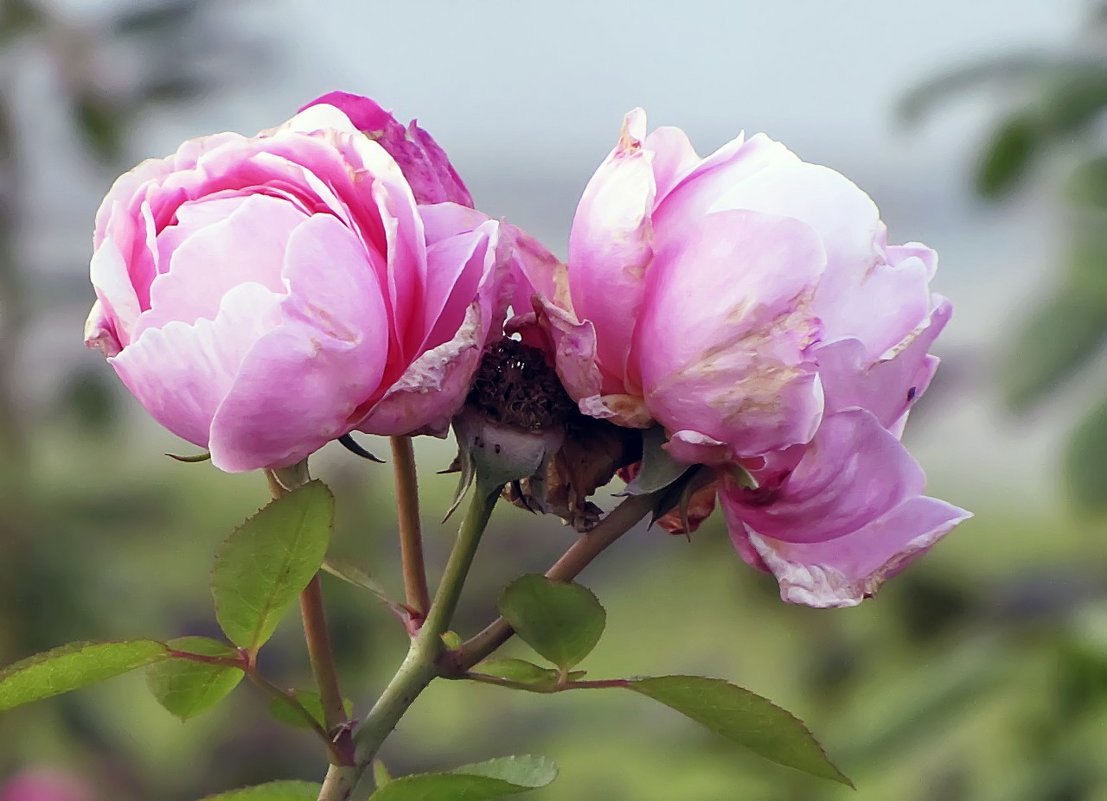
(425, 165)
(749, 303)
(263, 295)
(43, 784)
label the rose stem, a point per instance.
(618, 522)
(316, 635)
(411, 536)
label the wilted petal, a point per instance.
(846, 570)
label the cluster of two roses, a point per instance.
(264, 295)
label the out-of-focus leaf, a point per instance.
(73, 666)
(17, 17)
(483, 781)
(185, 687)
(273, 791)
(1014, 69)
(744, 717)
(1055, 340)
(1086, 460)
(1088, 183)
(285, 712)
(268, 560)
(174, 89)
(102, 125)
(165, 18)
(1008, 155)
(560, 620)
(1073, 99)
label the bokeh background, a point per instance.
(979, 128)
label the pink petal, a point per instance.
(226, 242)
(181, 372)
(673, 158)
(301, 383)
(852, 472)
(610, 248)
(845, 571)
(887, 386)
(426, 166)
(724, 336)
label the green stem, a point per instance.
(419, 667)
(580, 554)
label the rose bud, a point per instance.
(749, 303)
(263, 295)
(425, 165)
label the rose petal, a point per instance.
(181, 372)
(300, 384)
(852, 472)
(610, 249)
(845, 571)
(228, 241)
(724, 336)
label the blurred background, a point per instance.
(978, 128)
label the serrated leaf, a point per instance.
(73, 666)
(266, 562)
(281, 709)
(562, 621)
(658, 469)
(744, 717)
(1086, 461)
(186, 688)
(273, 791)
(483, 781)
(1055, 340)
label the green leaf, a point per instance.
(73, 666)
(265, 564)
(1086, 461)
(185, 687)
(518, 670)
(658, 469)
(354, 575)
(273, 791)
(482, 781)
(1009, 154)
(744, 717)
(1053, 342)
(381, 776)
(281, 709)
(562, 621)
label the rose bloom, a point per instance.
(749, 303)
(44, 784)
(263, 295)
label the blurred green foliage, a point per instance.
(1059, 109)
